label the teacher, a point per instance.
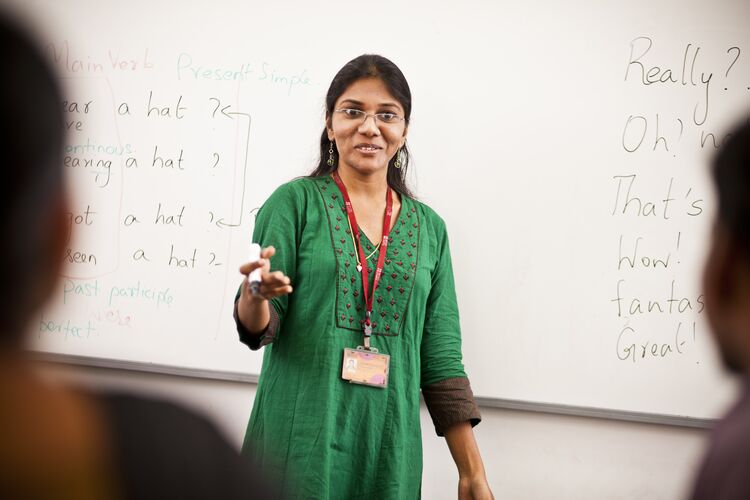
(357, 313)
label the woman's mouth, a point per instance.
(367, 148)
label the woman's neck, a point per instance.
(369, 186)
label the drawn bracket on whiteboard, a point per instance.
(482, 401)
(231, 114)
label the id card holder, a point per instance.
(366, 367)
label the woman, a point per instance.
(337, 408)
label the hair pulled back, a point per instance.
(369, 66)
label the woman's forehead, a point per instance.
(369, 91)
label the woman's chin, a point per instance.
(368, 166)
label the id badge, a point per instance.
(365, 367)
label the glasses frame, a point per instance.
(377, 118)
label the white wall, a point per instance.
(527, 455)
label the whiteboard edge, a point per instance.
(482, 401)
(139, 366)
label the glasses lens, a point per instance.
(388, 117)
(353, 114)
(360, 116)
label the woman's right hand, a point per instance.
(253, 307)
(273, 284)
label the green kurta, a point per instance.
(323, 437)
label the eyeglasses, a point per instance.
(358, 116)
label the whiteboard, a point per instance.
(547, 134)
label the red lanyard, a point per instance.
(369, 298)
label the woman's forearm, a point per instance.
(464, 449)
(472, 480)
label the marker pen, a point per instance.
(254, 278)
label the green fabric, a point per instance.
(325, 438)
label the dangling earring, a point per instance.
(331, 161)
(397, 163)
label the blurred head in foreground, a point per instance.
(727, 271)
(59, 442)
(32, 201)
(726, 283)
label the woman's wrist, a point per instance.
(253, 313)
(471, 469)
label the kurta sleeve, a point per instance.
(445, 387)
(278, 224)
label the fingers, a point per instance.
(267, 291)
(270, 293)
(273, 284)
(262, 263)
(249, 267)
(275, 279)
(268, 252)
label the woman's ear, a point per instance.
(329, 127)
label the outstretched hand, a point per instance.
(273, 284)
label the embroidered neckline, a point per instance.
(399, 271)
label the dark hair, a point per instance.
(731, 175)
(31, 178)
(369, 66)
